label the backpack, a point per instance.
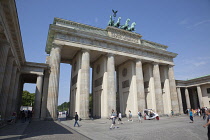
(139, 114)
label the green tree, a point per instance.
(28, 98)
(64, 106)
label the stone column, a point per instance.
(200, 98)
(6, 86)
(44, 95)
(180, 100)
(16, 89)
(19, 95)
(85, 86)
(174, 98)
(187, 98)
(38, 97)
(53, 88)
(4, 49)
(10, 93)
(158, 90)
(140, 86)
(111, 96)
(167, 94)
(151, 101)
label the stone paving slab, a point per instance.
(40, 130)
(176, 128)
(13, 131)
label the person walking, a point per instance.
(130, 116)
(120, 118)
(76, 120)
(191, 116)
(113, 118)
(172, 113)
(208, 123)
(204, 113)
(140, 116)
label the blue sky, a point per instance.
(183, 25)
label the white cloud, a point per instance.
(199, 23)
(197, 64)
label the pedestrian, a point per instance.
(204, 113)
(130, 116)
(76, 119)
(29, 116)
(191, 116)
(172, 113)
(140, 116)
(199, 112)
(208, 123)
(23, 116)
(113, 118)
(120, 118)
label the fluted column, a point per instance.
(38, 96)
(11, 93)
(140, 86)
(44, 95)
(85, 85)
(151, 102)
(6, 86)
(200, 98)
(53, 88)
(180, 100)
(111, 96)
(174, 98)
(158, 90)
(167, 95)
(187, 98)
(4, 49)
(16, 89)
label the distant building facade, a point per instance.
(194, 93)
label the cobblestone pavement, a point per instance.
(40, 130)
(176, 128)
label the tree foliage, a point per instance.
(28, 98)
(64, 106)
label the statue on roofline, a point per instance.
(132, 28)
(125, 27)
(111, 21)
(117, 24)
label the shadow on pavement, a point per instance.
(38, 128)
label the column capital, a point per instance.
(56, 46)
(169, 65)
(85, 50)
(138, 60)
(155, 63)
(40, 75)
(110, 54)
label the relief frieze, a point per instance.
(113, 47)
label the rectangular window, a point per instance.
(208, 90)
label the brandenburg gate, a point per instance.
(128, 72)
(136, 72)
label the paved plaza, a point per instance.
(176, 128)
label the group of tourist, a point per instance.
(26, 115)
(203, 112)
(114, 116)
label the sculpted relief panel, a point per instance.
(123, 36)
(119, 48)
